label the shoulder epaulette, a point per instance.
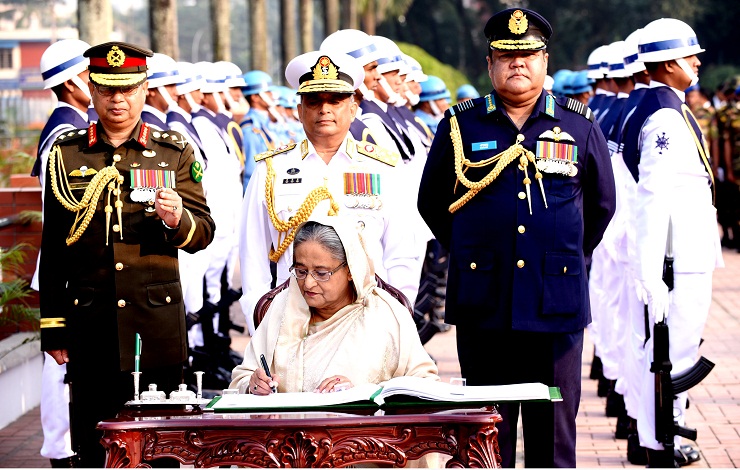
(70, 135)
(578, 108)
(271, 153)
(464, 106)
(170, 138)
(378, 153)
(247, 121)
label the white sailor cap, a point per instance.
(232, 74)
(597, 64)
(615, 58)
(415, 72)
(215, 80)
(324, 72)
(391, 57)
(354, 43)
(631, 53)
(162, 71)
(190, 78)
(63, 60)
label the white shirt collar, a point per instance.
(62, 104)
(679, 93)
(159, 114)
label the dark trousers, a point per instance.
(499, 357)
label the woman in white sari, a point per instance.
(332, 327)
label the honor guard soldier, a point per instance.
(257, 130)
(64, 71)
(598, 66)
(674, 216)
(434, 100)
(518, 186)
(121, 199)
(328, 173)
(466, 92)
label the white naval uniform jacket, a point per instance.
(674, 184)
(387, 231)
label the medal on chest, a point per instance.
(557, 153)
(362, 190)
(144, 184)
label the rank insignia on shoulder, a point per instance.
(579, 108)
(557, 135)
(271, 153)
(378, 153)
(196, 171)
(464, 106)
(83, 171)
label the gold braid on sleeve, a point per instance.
(85, 209)
(287, 229)
(502, 160)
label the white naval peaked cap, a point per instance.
(324, 72)
(667, 39)
(63, 60)
(631, 53)
(162, 70)
(391, 57)
(232, 73)
(615, 58)
(215, 79)
(190, 78)
(354, 43)
(597, 64)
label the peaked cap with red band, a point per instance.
(117, 64)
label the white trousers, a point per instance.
(687, 314)
(55, 411)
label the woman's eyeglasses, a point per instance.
(319, 275)
(109, 91)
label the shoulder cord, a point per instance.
(108, 176)
(700, 146)
(502, 160)
(302, 214)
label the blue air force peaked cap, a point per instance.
(518, 29)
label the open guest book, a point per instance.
(399, 391)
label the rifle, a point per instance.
(667, 387)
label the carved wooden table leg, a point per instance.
(482, 450)
(123, 449)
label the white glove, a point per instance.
(654, 293)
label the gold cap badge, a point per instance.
(116, 57)
(325, 69)
(518, 22)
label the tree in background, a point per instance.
(163, 27)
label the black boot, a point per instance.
(661, 459)
(597, 368)
(614, 404)
(624, 426)
(604, 386)
(636, 454)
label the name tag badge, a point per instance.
(477, 146)
(292, 180)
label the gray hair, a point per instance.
(324, 235)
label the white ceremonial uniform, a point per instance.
(674, 186)
(300, 170)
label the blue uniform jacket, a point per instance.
(509, 269)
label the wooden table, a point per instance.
(308, 439)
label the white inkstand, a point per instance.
(153, 394)
(180, 397)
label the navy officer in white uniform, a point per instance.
(328, 173)
(519, 187)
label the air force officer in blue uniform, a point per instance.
(519, 187)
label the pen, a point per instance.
(267, 370)
(137, 352)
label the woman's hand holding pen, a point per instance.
(261, 384)
(334, 383)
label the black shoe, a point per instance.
(685, 455)
(636, 454)
(597, 368)
(69, 462)
(661, 459)
(614, 404)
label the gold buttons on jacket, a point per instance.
(116, 227)
(473, 265)
(119, 266)
(168, 299)
(116, 158)
(565, 269)
(521, 229)
(522, 195)
(77, 301)
(121, 303)
(520, 263)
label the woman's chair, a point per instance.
(260, 310)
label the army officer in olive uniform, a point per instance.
(121, 199)
(519, 187)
